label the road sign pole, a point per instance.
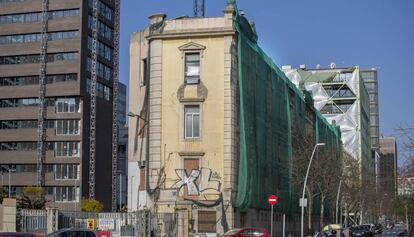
(284, 225)
(272, 200)
(271, 222)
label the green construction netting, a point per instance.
(269, 106)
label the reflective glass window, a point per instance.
(192, 68)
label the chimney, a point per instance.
(156, 18)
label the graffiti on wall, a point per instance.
(197, 182)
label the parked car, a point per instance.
(17, 234)
(73, 233)
(389, 225)
(361, 231)
(246, 232)
(331, 230)
(399, 225)
(332, 233)
(370, 227)
(395, 233)
(411, 231)
(377, 229)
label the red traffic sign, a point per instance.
(272, 200)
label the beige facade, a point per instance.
(8, 215)
(208, 158)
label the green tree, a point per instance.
(301, 152)
(406, 137)
(351, 191)
(32, 198)
(91, 205)
(328, 171)
(404, 208)
(3, 194)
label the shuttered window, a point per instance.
(207, 222)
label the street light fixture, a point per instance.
(130, 114)
(132, 191)
(304, 187)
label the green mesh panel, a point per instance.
(265, 165)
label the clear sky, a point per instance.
(368, 33)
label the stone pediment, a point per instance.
(192, 46)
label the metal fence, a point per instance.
(131, 224)
(32, 221)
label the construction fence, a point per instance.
(134, 224)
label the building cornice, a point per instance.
(191, 153)
(191, 34)
(185, 100)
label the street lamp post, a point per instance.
(132, 191)
(304, 187)
(8, 170)
(76, 188)
(337, 195)
(337, 200)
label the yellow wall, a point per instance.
(212, 109)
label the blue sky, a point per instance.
(368, 33)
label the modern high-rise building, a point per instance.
(369, 76)
(58, 98)
(340, 95)
(387, 175)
